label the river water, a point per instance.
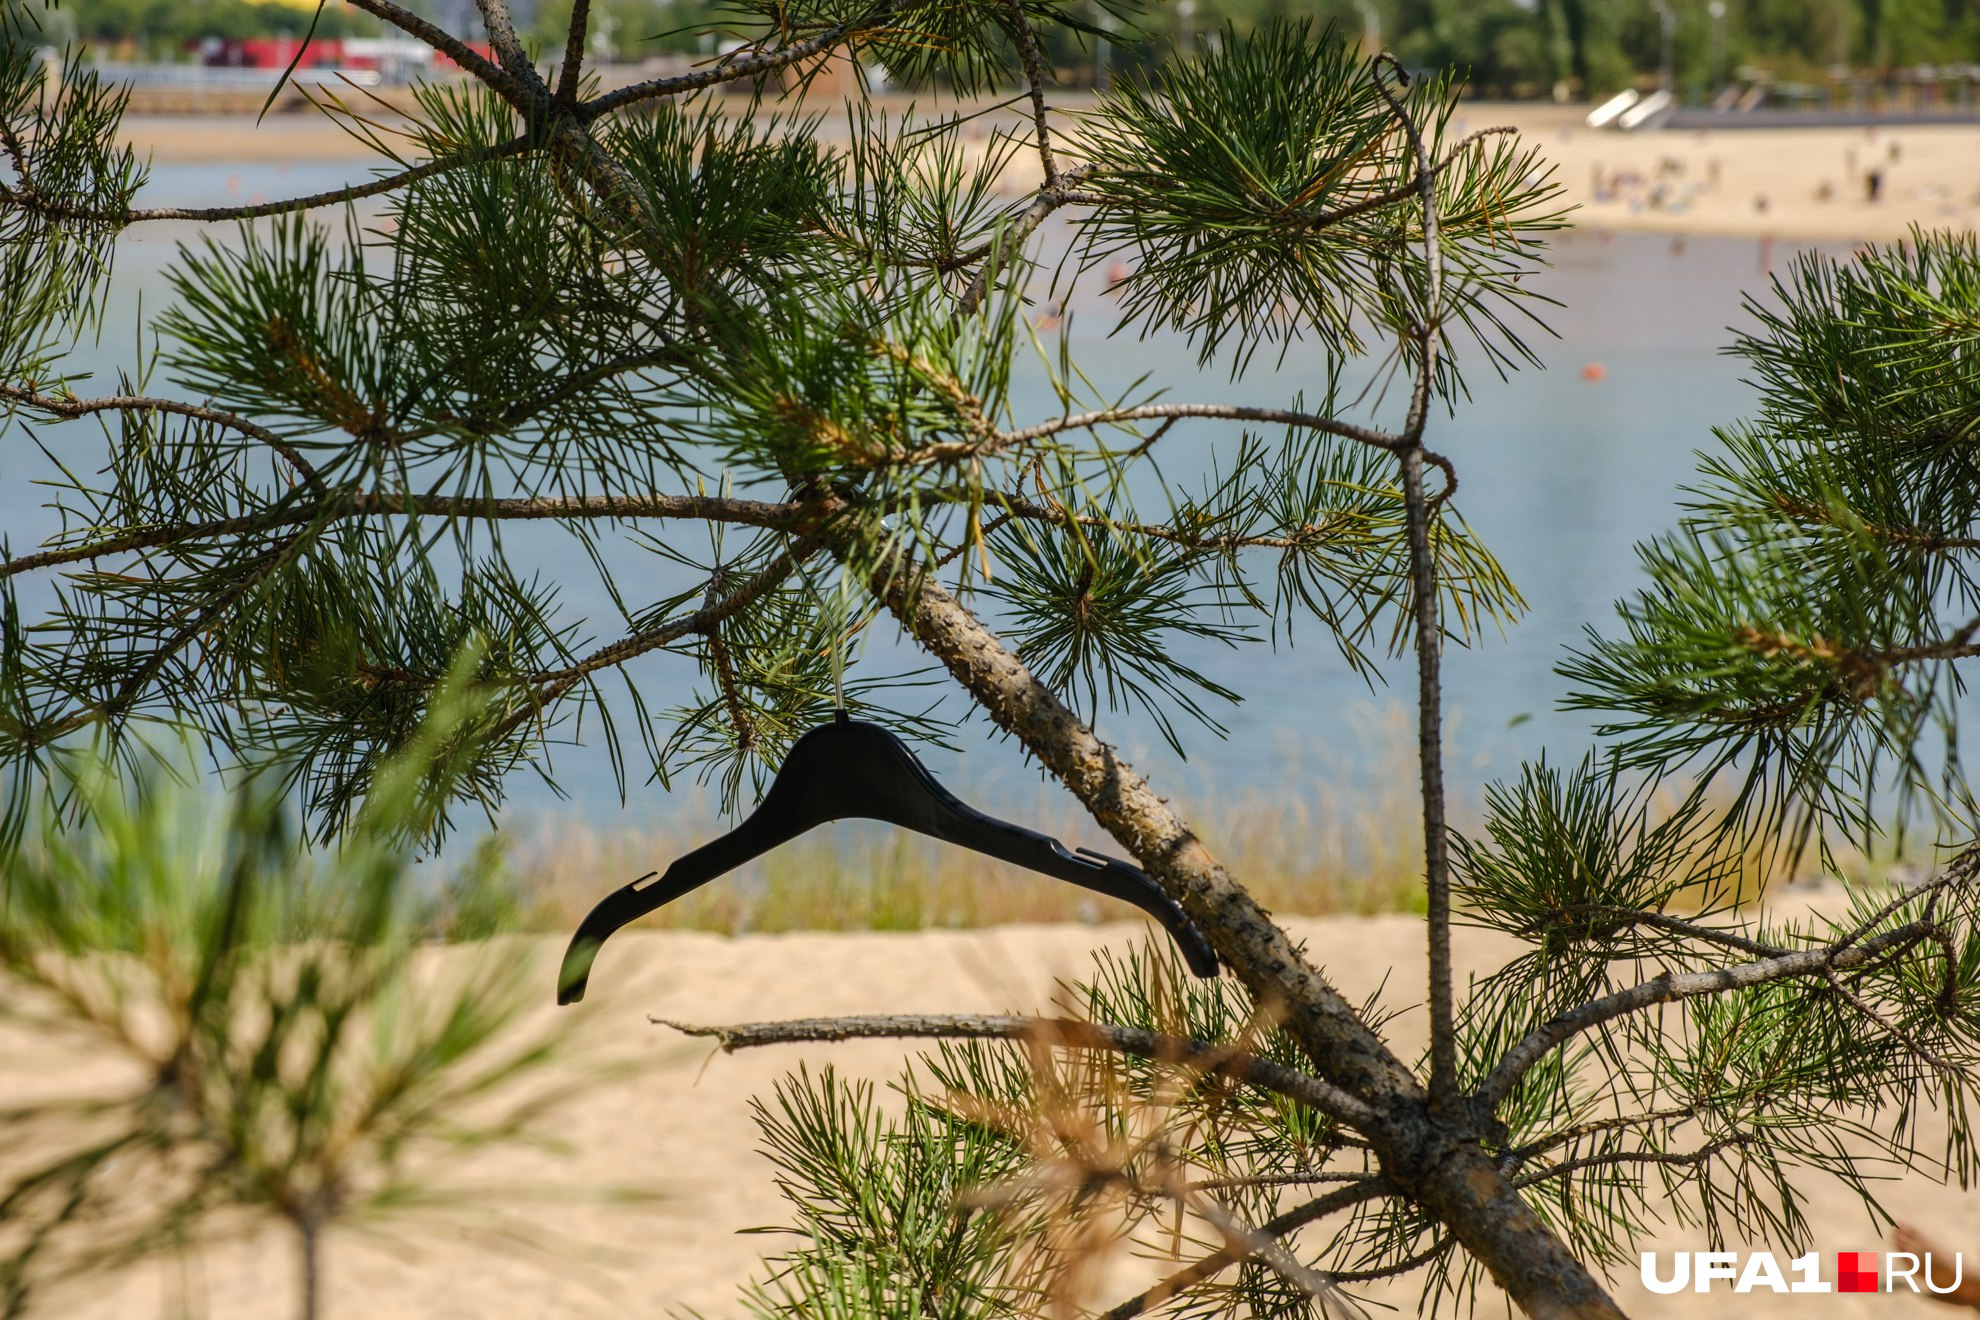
(1561, 475)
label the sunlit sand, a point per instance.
(681, 1128)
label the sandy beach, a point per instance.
(1793, 184)
(681, 1128)
(1803, 184)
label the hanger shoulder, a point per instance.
(847, 769)
(914, 799)
(785, 812)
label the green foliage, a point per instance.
(299, 1054)
(54, 258)
(1804, 623)
(1574, 859)
(890, 1235)
(754, 309)
(1096, 616)
(1006, 1177)
(159, 30)
(1254, 218)
(969, 46)
(1500, 47)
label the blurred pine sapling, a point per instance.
(295, 1051)
(763, 375)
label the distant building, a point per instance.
(397, 59)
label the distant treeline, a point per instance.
(161, 29)
(1520, 47)
(1528, 47)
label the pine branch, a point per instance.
(1895, 1030)
(1216, 1262)
(1411, 187)
(1959, 646)
(1627, 1159)
(1427, 330)
(1034, 79)
(1415, 1261)
(1313, 1179)
(725, 669)
(1429, 630)
(1859, 672)
(1519, 1155)
(989, 442)
(17, 154)
(508, 48)
(131, 690)
(553, 684)
(792, 516)
(150, 538)
(568, 76)
(961, 450)
(1961, 869)
(570, 386)
(210, 214)
(997, 254)
(1673, 925)
(1266, 1247)
(949, 265)
(1301, 538)
(556, 682)
(471, 60)
(1851, 952)
(1067, 1033)
(70, 407)
(1818, 515)
(734, 69)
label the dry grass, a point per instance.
(1309, 856)
(1344, 839)
(1341, 843)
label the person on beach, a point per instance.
(1908, 1239)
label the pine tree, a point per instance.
(702, 321)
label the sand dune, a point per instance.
(681, 1128)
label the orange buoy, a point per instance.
(1594, 371)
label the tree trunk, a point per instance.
(1437, 1161)
(309, 1241)
(1244, 934)
(1487, 1215)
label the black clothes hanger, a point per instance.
(844, 770)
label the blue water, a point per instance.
(1561, 476)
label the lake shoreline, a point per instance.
(1791, 185)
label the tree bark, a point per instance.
(1436, 1159)
(1487, 1215)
